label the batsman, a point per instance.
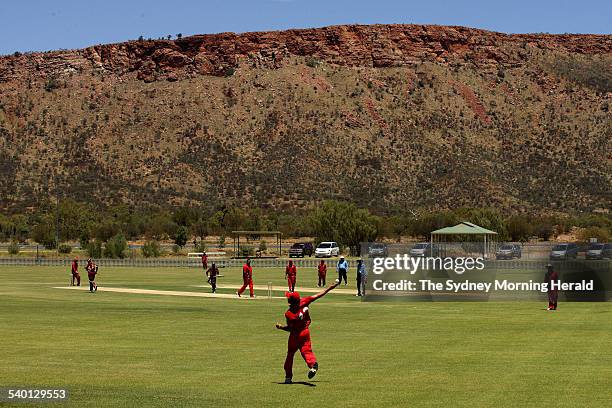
(298, 322)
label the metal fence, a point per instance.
(523, 264)
(165, 262)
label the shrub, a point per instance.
(13, 248)
(312, 62)
(175, 249)
(64, 249)
(544, 230)
(519, 229)
(116, 247)
(94, 249)
(201, 247)
(602, 234)
(244, 252)
(51, 84)
(230, 71)
(181, 236)
(151, 249)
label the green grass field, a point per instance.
(124, 350)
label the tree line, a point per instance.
(105, 232)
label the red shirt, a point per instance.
(291, 270)
(300, 320)
(247, 271)
(204, 259)
(75, 267)
(322, 269)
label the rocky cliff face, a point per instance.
(388, 116)
(350, 45)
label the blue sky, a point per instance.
(33, 25)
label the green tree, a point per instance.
(116, 247)
(181, 236)
(262, 246)
(519, 228)
(200, 229)
(13, 248)
(345, 224)
(601, 234)
(44, 232)
(151, 249)
(94, 249)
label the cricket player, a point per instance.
(322, 271)
(342, 268)
(247, 278)
(291, 275)
(362, 277)
(74, 269)
(92, 270)
(212, 274)
(204, 261)
(298, 322)
(550, 277)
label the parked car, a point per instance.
(422, 249)
(564, 251)
(598, 251)
(378, 250)
(607, 251)
(301, 249)
(508, 251)
(327, 249)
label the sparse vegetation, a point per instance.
(151, 249)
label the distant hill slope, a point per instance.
(387, 116)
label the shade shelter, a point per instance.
(461, 231)
(256, 234)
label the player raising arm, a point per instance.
(298, 321)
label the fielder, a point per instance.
(291, 275)
(247, 278)
(322, 271)
(553, 294)
(298, 321)
(204, 261)
(92, 270)
(74, 269)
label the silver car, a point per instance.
(564, 251)
(422, 249)
(595, 251)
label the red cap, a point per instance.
(292, 296)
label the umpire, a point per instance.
(342, 268)
(362, 277)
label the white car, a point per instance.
(327, 249)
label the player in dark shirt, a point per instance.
(212, 274)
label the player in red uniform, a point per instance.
(92, 270)
(550, 277)
(247, 278)
(298, 321)
(204, 261)
(322, 270)
(74, 269)
(291, 275)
